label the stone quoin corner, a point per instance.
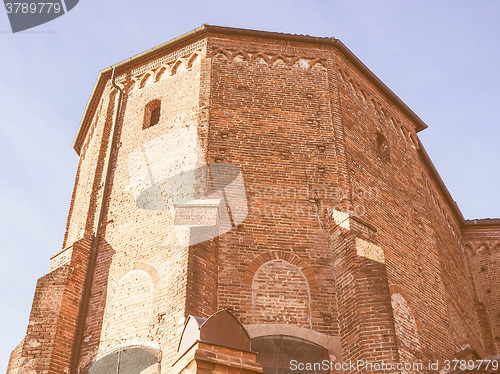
(247, 199)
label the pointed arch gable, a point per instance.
(275, 60)
(240, 55)
(191, 60)
(219, 52)
(317, 64)
(144, 80)
(260, 55)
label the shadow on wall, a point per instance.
(169, 173)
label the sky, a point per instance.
(440, 57)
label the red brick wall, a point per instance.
(482, 245)
(419, 234)
(280, 294)
(409, 348)
(277, 118)
(311, 135)
(145, 238)
(82, 218)
(268, 115)
(49, 339)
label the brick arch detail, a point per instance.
(246, 56)
(269, 58)
(481, 247)
(394, 289)
(137, 265)
(293, 259)
(144, 80)
(220, 51)
(318, 64)
(407, 329)
(469, 249)
(156, 73)
(255, 56)
(285, 60)
(280, 294)
(129, 310)
(191, 60)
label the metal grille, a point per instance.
(275, 354)
(105, 365)
(137, 359)
(131, 360)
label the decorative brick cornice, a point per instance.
(200, 33)
(270, 59)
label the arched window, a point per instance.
(383, 147)
(279, 354)
(130, 360)
(152, 113)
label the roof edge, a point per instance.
(103, 75)
(441, 185)
(465, 223)
(470, 223)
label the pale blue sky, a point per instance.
(440, 57)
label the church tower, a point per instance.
(251, 201)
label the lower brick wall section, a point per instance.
(367, 328)
(486, 334)
(15, 356)
(51, 330)
(205, 358)
(482, 245)
(202, 276)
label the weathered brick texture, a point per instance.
(365, 314)
(347, 233)
(49, 338)
(482, 245)
(205, 358)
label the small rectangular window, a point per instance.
(155, 117)
(152, 114)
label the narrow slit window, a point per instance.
(152, 113)
(155, 117)
(383, 147)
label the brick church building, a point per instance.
(250, 202)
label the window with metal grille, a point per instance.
(275, 353)
(130, 360)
